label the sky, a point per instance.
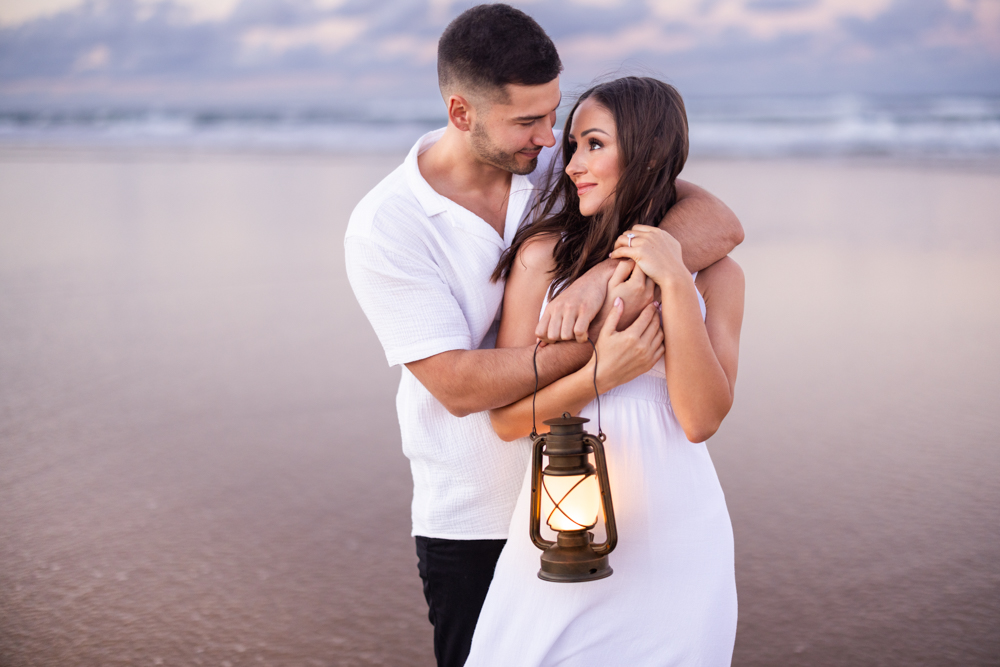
(294, 52)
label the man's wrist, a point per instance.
(558, 360)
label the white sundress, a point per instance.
(672, 597)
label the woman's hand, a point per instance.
(625, 355)
(655, 251)
(635, 289)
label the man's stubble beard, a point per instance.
(489, 153)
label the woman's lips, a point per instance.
(583, 188)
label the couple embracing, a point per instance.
(497, 231)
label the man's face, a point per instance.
(510, 134)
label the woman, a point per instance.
(665, 389)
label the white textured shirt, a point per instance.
(420, 267)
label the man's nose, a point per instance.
(545, 136)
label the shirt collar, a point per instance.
(429, 199)
(433, 203)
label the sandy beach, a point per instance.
(199, 453)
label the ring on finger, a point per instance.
(630, 237)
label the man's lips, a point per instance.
(532, 154)
(583, 188)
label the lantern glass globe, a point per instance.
(578, 498)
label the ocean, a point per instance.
(936, 126)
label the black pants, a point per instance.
(456, 575)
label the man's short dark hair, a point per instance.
(490, 46)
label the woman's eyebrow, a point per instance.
(593, 129)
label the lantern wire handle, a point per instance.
(534, 363)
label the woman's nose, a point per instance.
(575, 166)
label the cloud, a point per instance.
(329, 36)
(326, 49)
(95, 58)
(16, 12)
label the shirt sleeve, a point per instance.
(407, 301)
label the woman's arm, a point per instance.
(701, 356)
(624, 355)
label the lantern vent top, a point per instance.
(566, 424)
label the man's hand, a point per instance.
(569, 315)
(573, 314)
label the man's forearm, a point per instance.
(705, 227)
(468, 381)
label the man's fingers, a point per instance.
(567, 331)
(581, 330)
(555, 327)
(542, 328)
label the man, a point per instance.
(420, 250)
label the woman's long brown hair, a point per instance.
(651, 125)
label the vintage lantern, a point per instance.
(568, 495)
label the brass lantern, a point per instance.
(568, 495)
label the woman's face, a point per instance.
(594, 165)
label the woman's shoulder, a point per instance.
(535, 256)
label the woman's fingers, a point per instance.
(641, 322)
(621, 273)
(624, 252)
(611, 321)
(649, 333)
(638, 276)
(638, 231)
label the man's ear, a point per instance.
(460, 112)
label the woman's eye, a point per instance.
(572, 147)
(595, 144)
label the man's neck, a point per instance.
(455, 172)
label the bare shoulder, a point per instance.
(535, 256)
(524, 293)
(724, 279)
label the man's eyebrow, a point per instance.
(523, 119)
